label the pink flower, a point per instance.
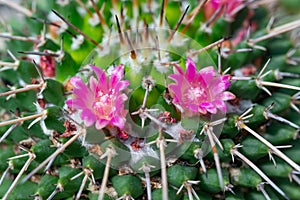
(200, 92)
(48, 65)
(228, 7)
(101, 101)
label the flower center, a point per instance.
(195, 94)
(103, 105)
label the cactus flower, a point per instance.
(200, 92)
(229, 7)
(48, 65)
(101, 101)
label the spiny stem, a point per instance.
(135, 10)
(9, 64)
(39, 53)
(101, 19)
(58, 188)
(295, 178)
(52, 24)
(17, 7)
(85, 178)
(8, 132)
(58, 151)
(255, 168)
(193, 14)
(119, 30)
(153, 119)
(213, 17)
(22, 119)
(241, 125)
(209, 46)
(114, 4)
(24, 168)
(216, 158)
(261, 188)
(263, 69)
(110, 152)
(268, 115)
(190, 194)
(276, 31)
(82, 5)
(240, 7)
(161, 146)
(78, 30)
(280, 85)
(178, 24)
(146, 170)
(24, 89)
(198, 153)
(131, 47)
(21, 38)
(10, 166)
(188, 185)
(157, 47)
(162, 12)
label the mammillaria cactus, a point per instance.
(149, 99)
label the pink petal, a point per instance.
(215, 3)
(178, 70)
(116, 76)
(119, 71)
(208, 74)
(202, 111)
(227, 96)
(226, 81)
(176, 90)
(93, 83)
(216, 86)
(80, 89)
(121, 85)
(119, 102)
(220, 105)
(193, 108)
(88, 116)
(101, 123)
(209, 107)
(76, 103)
(177, 78)
(101, 76)
(191, 70)
(118, 122)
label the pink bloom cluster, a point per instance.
(229, 6)
(200, 92)
(102, 101)
(48, 65)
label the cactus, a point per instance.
(149, 99)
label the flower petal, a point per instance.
(209, 107)
(118, 122)
(178, 70)
(101, 123)
(226, 81)
(227, 96)
(80, 89)
(76, 103)
(220, 105)
(208, 74)
(101, 76)
(191, 70)
(121, 85)
(93, 83)
(116, 76)
(88, 116)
